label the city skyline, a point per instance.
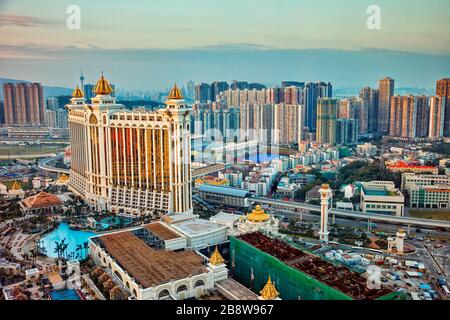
(224, 151)
(236, 44)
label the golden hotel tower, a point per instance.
(135, 162)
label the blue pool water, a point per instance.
(115, 222)
(73, 238)
(65, 294)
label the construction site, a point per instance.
(297, 274)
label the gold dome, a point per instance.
(258, 215)
(175, 93)
(77, 93)
(16, 186)
(216, 258)
(269, 292)
(103, 87)
(64, 178)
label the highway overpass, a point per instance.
(44, 165)
(406, 221)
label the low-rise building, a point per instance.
(144, 264)
(313, 194)
(402, 167)
(412, 179)
(43, 202)
(381, 197)
(366, 149)
(233, 176)
(199, 233)
(434, 196)
(225, 196)
(285, 189)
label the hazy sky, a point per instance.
(34, 32)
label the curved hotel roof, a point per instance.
(226, 191)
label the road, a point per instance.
(44, 165)
(405, 221)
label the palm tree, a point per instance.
(33, 256)
(86, 249)
(78, 249)
(64, 245)
(58, 249)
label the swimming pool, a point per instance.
(65, 294)
(115, 221)
(73, 238)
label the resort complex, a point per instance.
(135, 162)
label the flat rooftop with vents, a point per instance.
(150, 258)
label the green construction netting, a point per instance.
(291, 283)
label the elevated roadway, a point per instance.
(407, 221)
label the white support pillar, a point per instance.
(325, 196)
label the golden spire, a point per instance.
(269, 292)
(103, 87)
(258, 215)
(15, 186)
(175, 93)
(77, 93)
(216, 259)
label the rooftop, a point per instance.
(195, 227)
(376, 192)
(381, 192)
(226, 191)
(161, 231)
(41, 200)
(150, 267)
(227, 217)
(338, 277)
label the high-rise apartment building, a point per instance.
(50, 118)
(288, 120)
(403, 116)
(264, 123)
(437, 112)
(2, 112)
(385, 92)
(203, 93)
(312, 92)
(131, 161)
(88, 91)
(443, 90)
(298, 84)
(293, 95)
(190, 87)
(218, 87)
(327, 109)
(370, 98)
(395, 118)
(52, 103)
(241, 85)
(355, 108)
(347, 131)
(24, 104)
(9, 96)
(422, 116)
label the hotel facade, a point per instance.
(134, 162)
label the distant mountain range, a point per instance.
(49, 91)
